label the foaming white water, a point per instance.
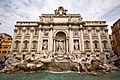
(63, 72)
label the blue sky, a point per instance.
(18, 10)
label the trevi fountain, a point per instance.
(57, 44)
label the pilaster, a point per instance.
(82, 40)
(70, 40)
(30, 41)
(91, 41)
(39, 39)
(99, 39)
(50, 38)
(22, 39)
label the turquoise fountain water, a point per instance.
(113, 75)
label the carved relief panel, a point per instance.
(76, 44)
(76, 33)
(46, 32)
(45, 45)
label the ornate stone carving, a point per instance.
(45, 45)
(76, 45)
(45, 33)
(60, 46)
(60, 11)
(75, 33)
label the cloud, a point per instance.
(14, 10)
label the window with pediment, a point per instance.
(17, 44)
(87, 45)
(25, 46)
(96, 46)
(104, 44)
(34, 46)
(27, 32)
(19, 32)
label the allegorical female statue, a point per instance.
(76, 45)
(60, 46)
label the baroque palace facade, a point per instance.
(60, 36)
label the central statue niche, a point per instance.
(60, 43)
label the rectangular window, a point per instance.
(19, 32)
(5, 47)
(16, 46)
(27, 32)
(96, 46)
(119, 41)
(34, 45)
(0, 46)
(2, 51)
(5, 51)
(35, 31)
(87, 45)
(25, 45)
(105, 45)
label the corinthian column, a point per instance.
(67, 45)
(39, 39)
(30, 41)
(100, 42)
(54, 44)
(91, 42)
(82, 40)
(22, 39)
(70, 40)
(50, 39)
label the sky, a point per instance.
(26, 10)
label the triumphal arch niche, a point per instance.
(60, 36)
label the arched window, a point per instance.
(87, 43)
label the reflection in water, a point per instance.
(59, 76)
